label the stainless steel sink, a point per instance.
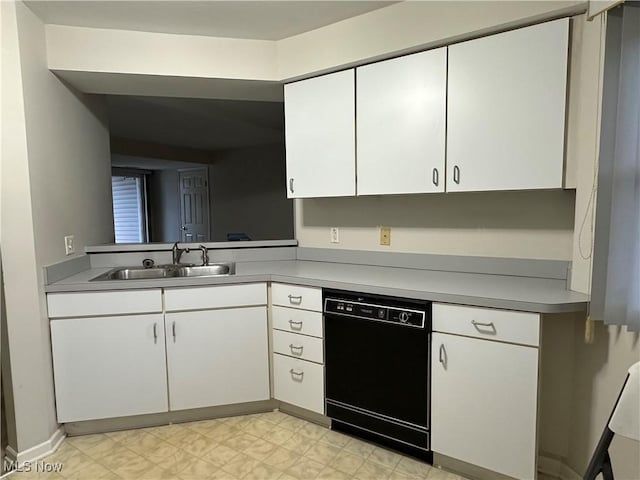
(168, 271)
(207, 270)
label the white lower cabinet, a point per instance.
(144, 362)
(217, 357)
(298, 382)
(108, 367)
(484, 403)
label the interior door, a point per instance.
(194, 205)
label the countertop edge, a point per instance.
(460, 299)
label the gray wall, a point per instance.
(248, 194)
(56, 171)
(164, 210)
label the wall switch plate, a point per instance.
(68, 245)
(335, 235)
(385, 235)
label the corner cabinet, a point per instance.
(320, 136)
(401, 110)
(485, 388)
(506, 110)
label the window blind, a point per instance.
(128, 209)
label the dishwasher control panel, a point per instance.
(403, 316)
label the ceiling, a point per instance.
(263, 20)
(196, 123)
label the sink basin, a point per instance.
(207, 270)
(168, 271)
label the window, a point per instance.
(129, 207)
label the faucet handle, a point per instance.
(205, 255)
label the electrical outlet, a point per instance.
(335, 235)
(68, 245)
(385, 235)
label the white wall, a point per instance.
(599, 371)
(55, 182)
(147, 53)
(499, 224)
(406, 27)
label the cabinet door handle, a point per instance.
(291, 185)
(298, 323)
(295, 299)
(173, 331)
(456, 174)
(297, 374)
(442, 356)
(155, 333)
(480, 326)
(434, 177)
(296, 349)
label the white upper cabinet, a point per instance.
(401, 115)
(506, 110)
(320, 136)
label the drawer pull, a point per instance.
(297, 323)
(482, 327)
(155, 333)
(296, 349)
(297, 376)
(295, 299)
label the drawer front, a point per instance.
(220, 296)
(121, 302)
(488, 323)
(299, 383)
(297, 321)
(295, 296)
(299, 346)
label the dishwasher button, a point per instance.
(404, 317)
(382, 313)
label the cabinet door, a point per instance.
(484, 403)
(506, 110)
(320, 136)
(217, 357)
(401, 111)
(109, 367)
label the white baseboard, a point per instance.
(552, 467)
(39, 451)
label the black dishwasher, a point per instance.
(378, 374)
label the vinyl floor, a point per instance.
(265, 446)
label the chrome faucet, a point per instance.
(205, 255)
(177, 253)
